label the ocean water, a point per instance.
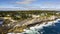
(52, 27)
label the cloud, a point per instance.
(26, 2)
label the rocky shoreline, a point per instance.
(31, 22)
(21, 28)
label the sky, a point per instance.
(29, 4)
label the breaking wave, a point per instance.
(52, 27)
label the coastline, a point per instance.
(33, 24)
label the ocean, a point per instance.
(52, 27)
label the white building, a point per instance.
(35, 16)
